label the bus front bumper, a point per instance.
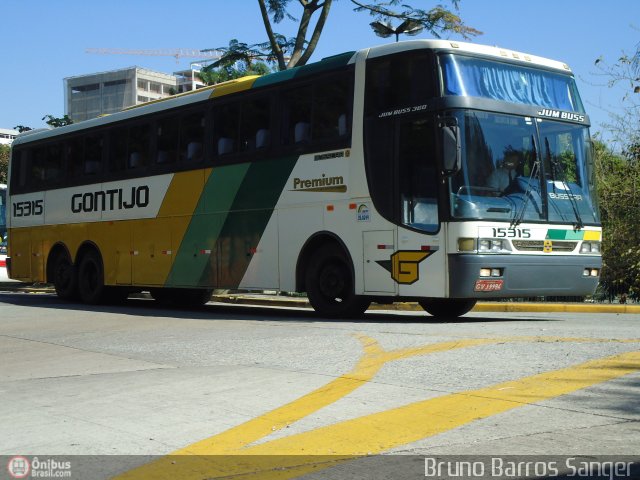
(499, 276)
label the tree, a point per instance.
(618, 176)
(239, 62)
(5, 152)
(56, 122)
(618, 181)
(295, 51)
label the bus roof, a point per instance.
(326, 64)
(465, 47)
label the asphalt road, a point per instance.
(274, 382)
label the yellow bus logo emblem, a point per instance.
(403, 265)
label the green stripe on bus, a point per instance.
(205, 226)
(553, 234)
(326, 64)
(250, 213)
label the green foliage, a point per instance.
(56, 122)
(212, 76)
(5, 152)
(22, 128)
(287, 52)
(436, 21)
(618, 180)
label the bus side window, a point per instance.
(139, 143)
(255, 131)
(93, 150)
(225, 129)
(18, 169)
(38, 160)
(117, 149)
(400, 80)
(74, 157)
(331, 104)
(167, 131)
(192, 137)
(296, 120)
(54, 163)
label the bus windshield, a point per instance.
(477, 77)
(523, 169)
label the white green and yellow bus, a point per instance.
(432, 171)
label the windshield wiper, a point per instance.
(535, 173)
(557, 167)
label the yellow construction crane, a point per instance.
(176, 53)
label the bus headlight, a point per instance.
(466, 244)
(492, 245)
(590, 247)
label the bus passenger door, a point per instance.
(419, 263)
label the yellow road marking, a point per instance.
(370, 363)
(302, 453)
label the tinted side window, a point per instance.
(331, 105)
(396, 81)
(226, 128)
(93, 151)
(139, 143)
(117, 149)
(74, 154)
(296, 115)
(192, 137)
(54, 163)
(168, 132)
(255, 128)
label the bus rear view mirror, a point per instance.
(451, 151)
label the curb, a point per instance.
(414, 307)
(279, 301)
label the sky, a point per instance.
(44, 41)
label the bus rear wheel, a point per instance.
(330, 285)
(65, 278)
(91, 278)
(447, 307)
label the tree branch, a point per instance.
(301, 36)
(317, 31)
(272, 38)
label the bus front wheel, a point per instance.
(447, 307)
(330, 285)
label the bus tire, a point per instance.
(65, 277)
(447, 307)
(91, 278)
(330, 285)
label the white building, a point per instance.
(89, 96)
(7, 136)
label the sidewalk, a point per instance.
(281, 301)
(265, 300)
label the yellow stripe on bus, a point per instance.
(234, 86)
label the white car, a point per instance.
(3, 262)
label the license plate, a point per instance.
(488, 285)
